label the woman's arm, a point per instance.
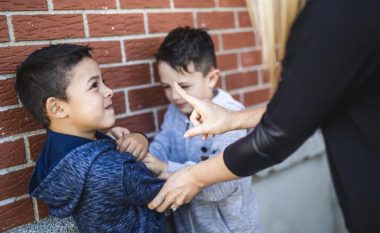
(181, 187)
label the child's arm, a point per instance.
(163, 140)
(135, 143)
(139, 184)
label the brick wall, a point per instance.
(125, 34)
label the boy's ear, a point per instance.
(213, 77)
(55, 108)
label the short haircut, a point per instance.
(184, 45)
(46, 73)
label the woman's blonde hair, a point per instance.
(273, 20)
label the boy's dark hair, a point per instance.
(44, 74)
(184, 45)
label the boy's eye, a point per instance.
(185, 87)
(165, 87)
(94, 85)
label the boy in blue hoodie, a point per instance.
(79, 172)
(187, 57)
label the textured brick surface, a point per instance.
(244, 20)
(42, 27)
(256, 97)
(12, 153)
(22, 5)
(35, 144)
(194, 3)
(11, 56)
(251, 58)
(15, 214)
(164, 22)
(130, 4)
(241, 80)
(141, 48)
(15, 183)
(115, 24)
(118, 102)
(125, 76)
(216, 20)
(3, 29)
(138, 123)
(16, 121)
(232, 3)
(227, 61)
(146, 98)
(83, 4)
(7, 92)
(238, 40)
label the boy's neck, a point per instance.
(70, 130)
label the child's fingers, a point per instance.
(124, 145)
(165, 175)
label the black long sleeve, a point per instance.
(330, 79)
(327, 61)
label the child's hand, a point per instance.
(117, 132)
(155, 165)
(135, 143)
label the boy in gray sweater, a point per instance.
(187, 57)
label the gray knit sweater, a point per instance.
(221, 208)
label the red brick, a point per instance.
(244, 19)
(160, 115)
(155, 73)
(138, 123)
(194, 3)
(126, 76)
(241, 80)
(165, 22)
(215, 39)
(35, 145)
(133, 4)
(15, 183)
(11, 56)
(146, 98)
(16, 214)
(118, 102)
(237, 97)
(106, 52)
(256, 97)
(227, 61)
(83, 4)
(22, 5)
(3, 29)
(12, 153)
(232, 3)
(216, 20)
(141, 48)
(41, 27)
(265, 76)
(238, 40)
(115, 24)
(43, 210)
(7, 92)
(16, 121)
(251, 58)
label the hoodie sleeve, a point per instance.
(140, 186)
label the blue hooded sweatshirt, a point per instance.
(102, 189)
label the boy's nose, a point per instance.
(175, 95)
(108, 92)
